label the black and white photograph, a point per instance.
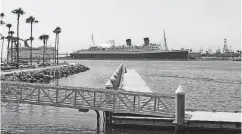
(120, 66)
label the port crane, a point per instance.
(218, 50)
(201, 49)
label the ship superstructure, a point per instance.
(147, 51)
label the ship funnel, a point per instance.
(146, 41)
(128, 42)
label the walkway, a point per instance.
(133, 82)
(87, 98)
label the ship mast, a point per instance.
(93, 40)
(165, 44)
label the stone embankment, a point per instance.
(45, 75)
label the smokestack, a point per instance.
(146, 41)
(128, 42)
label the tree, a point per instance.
(2, 15)
(10, 33)
(9, 28)
(18, 12)
(31, 20)
(57, 31)
(13, 48)
(44, 37)
(2, 38)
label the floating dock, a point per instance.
(196, 120)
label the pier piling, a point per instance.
(179, 109)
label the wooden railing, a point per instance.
(89, 98)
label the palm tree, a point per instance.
(1, 16)
(14, 46)
(44, 37)
(9, 27)
(18, 12)
(47, 37)
(2, 38)
(31, 20)
(57, 31)
(10, 33)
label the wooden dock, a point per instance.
(132, 81)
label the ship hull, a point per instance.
(172, 55)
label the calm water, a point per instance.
(209, 85)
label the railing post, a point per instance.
(155, 105)
(56, 95)
(134, 103)
(75, 99)
(94, 100)
(39, 95)
(180, 109)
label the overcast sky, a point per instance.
(188, 23)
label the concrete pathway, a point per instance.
(132, 81)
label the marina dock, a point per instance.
(194, 120)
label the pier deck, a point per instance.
(133, 82)
(197, 119)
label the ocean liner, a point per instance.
(148, 51)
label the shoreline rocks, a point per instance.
(45, 75)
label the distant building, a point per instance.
(37, 53)
(193, 55)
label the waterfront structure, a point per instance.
(194, 55)
(149, 51)
(37, 53)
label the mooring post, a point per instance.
(109, 84)
(114, 82)
(125, 70)
(116, 76)
(180, 109)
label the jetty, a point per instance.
(125, 101)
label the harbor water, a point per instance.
(209, 86)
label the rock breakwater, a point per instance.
(45, 75)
